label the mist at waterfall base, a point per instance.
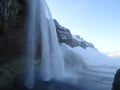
(87, 68)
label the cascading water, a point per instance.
(29, 81)
(41, 29)
(52, 66)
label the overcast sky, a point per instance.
(97, 21)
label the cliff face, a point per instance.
(12, 29)
(65, 36)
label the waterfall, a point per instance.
(31, 26)
(52, 65)
(41, 30)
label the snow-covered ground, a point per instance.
(89, 66)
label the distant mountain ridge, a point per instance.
(65, 36)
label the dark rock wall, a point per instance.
(12, 29)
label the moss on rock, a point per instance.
(9, 71)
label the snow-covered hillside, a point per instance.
(91, 65)
(89, 58)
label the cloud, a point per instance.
(113, 54)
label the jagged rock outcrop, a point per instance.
(65, 36)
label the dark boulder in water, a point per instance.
(116, 83)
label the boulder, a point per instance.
(116, 82)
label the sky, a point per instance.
(97, 21)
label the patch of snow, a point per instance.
(76, 37)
